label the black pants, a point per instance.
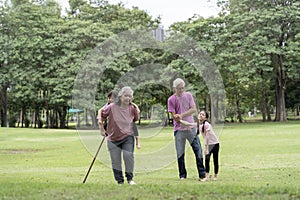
(116, 149)
(214, 150)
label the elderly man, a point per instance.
(182, 107)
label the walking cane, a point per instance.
(94, 159)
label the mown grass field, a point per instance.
(257, 161)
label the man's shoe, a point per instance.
(203, 179)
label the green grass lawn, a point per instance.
(257, 161)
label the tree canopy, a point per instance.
(253, 44)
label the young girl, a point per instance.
(211, 143)
(135, 130)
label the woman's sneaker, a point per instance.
(131, 182)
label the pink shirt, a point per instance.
(213, 139)
(119, 121)
(180, 105)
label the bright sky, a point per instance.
(170, 10)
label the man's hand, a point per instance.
(177, 117)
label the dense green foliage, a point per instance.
(43, 51)
(257, 161)
(254, 44)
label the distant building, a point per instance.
(159, 33)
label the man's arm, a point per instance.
(189, 112)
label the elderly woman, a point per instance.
(120, 139)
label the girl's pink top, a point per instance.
(213, 139)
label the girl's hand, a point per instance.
(206, 151)
(137, 108)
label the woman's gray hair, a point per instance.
(178, 81)
(122, 91)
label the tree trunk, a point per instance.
(263, 105)
(94, 119)
(268, 108)
(263, 97)
(216, 109)
(4, 106)
(280, 83)
(38, 120)
(51, 118)
(86, 117)
(47, 108)
(62, 117)
(22, 119)
(239, 115)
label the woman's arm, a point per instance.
(99, 116)
(103, 113)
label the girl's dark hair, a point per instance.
(206, 116)
(112, 93)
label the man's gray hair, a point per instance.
(178, 81)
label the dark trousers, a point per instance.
(214, 150)
(116, 149)
(180, 140)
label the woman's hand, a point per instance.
(102, 130)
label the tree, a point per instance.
(254, 45)
(271, 29)
(116, 19)
(43, 53)
(4, 68)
